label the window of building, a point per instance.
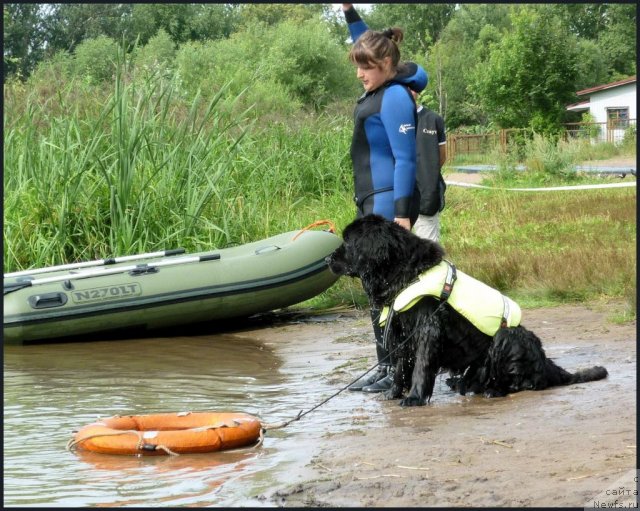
(618, 117)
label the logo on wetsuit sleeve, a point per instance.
(404, 128)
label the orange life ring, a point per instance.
(168, 433)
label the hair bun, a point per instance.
(394, 33)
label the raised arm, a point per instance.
(357, 27)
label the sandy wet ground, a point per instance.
(558, 447)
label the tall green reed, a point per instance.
(137, 167)
(142, 173)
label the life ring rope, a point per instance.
(75, 441)
(318, 223)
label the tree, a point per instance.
(305, 58)
(618, 40)
(175, 19)
(422, 23)
(158, 53)
(531, 74)
(68, 25)
(584, 20)
(463, 46)
(593, 66)
(23, 38)
(608, 29)
(214, 21)
(272, 14)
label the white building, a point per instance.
(612, 105)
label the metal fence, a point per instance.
(613, 132)
(483, 143)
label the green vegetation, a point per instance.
(539, 248)
(222, 124)
(489, 64)
(139, 168)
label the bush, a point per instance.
(629, 139)
(549, 156)
(308, 62)
(57, 69)
(210, 66)
(95, 59)
(158, 54)
(590, 129)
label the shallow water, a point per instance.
(50, 390)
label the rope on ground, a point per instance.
(548, 189)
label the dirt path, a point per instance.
(623, 162)
(558, 447)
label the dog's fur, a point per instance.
(434, 337)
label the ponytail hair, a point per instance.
(374, 46)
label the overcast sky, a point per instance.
(359, 7)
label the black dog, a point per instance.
(432, 336)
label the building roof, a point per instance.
(583, 105)
(597, 88)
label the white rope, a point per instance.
(549, 189)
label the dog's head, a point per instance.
(384, 255)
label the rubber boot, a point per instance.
(369, 379)
(381, 385)
(383, 355)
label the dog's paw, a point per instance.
(390, 394)
(493, 393)
(453, 382)
(411, 401)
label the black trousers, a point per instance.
(381, 351)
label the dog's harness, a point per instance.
(485, 307)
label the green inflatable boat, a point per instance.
(164, 289)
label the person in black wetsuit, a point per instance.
(431, 147)
(383, 148)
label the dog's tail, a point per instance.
(592, 374)
(556, 375)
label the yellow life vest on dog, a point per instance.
(485, 307)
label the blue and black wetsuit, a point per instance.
(383, 148)
(383, 151)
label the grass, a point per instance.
(539, 248)
(92, 172)
(545, 247)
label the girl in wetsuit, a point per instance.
(383, 148)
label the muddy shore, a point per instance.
(564, 446)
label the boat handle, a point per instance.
(264, 250)
(47, 301)
(142, 269)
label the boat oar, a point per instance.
(99, 262)
(135, 269)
